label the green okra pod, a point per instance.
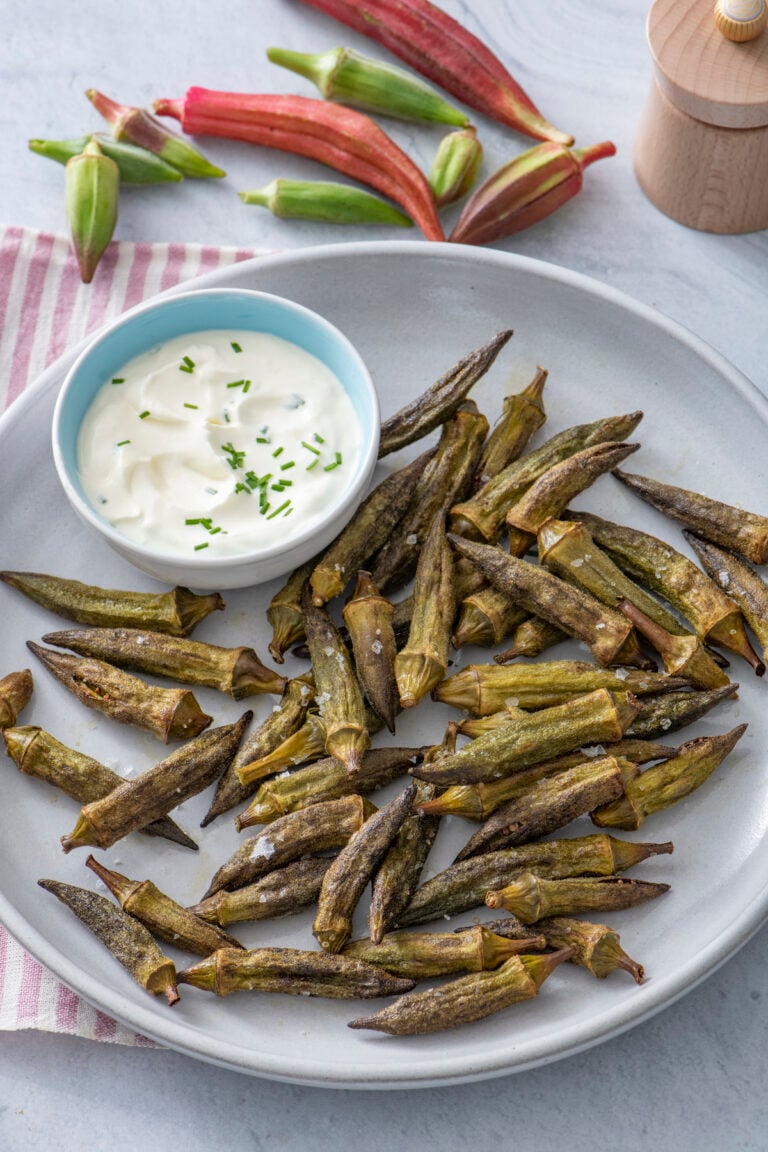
(136, 802)
(555, 488)
(311, 830)
(441, 400)
(531, 637)
(446, 476)
(522, 415)
(482, 516)
(531, 898)
(168, 713)
(741, 582)
(609, 636)
(369, 528)
(455, 166)
(279, 893)
(466, 999)
(593, 717)
(399, 873)
(421, 955)
(423, 661)
(36, 753)
(128, 941)
(136, 165)
(176, 612)
(664, 784)
(326, 780)
(326, 201)
(660, 715)
(15, 693)
(368, 617)
(551, 803)
(478, 801)
(483, 689)
(338, 694)
(291, 971)
(237, 671)
(724, 524)
(348, 77)
(285, 719)
(352, 870)
(92, 186)
(164, 918)
(463, 886)
(139, 127)
(682, 655)
(714, 617)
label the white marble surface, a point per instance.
(693, 1077)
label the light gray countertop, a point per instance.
(692, 1077)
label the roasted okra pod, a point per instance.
(741, 582)
(400, 871)
(368, 617)
(279, 893)
(284, 612)
(15, 693)
(596, 947)
(531, 898)
(424, 660)
(660, 715)
(522, 415)
(421, 955)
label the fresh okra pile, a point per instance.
(546, 743)
(525, 190)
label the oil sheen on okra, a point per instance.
(218, 443)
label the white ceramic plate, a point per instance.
(412, 309)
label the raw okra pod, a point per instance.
(136, 165)
(352, 870)
(292, 971)
(663, 714)
(466, 999)
(339, 698)
(15, 693)
(128, 941)
(421, 955)
(326, 780)
(236, 671)
(724, 524)
(591, 718)
(482, 516)
(280, 893)
(463, 886)
(368, 617)
(36, 753)
(531, 898)
(177, 612)
(438, 403)
(522, 415)
(455, 166)
(325, 201)
(136, 802)
(168, 713)
(741, 582)
(399, 873)
(283, 721)
(164, 918)
(447, 476)
(424, 660)
(369, 529)
(92, 186)
(310, 830)
(664, 784)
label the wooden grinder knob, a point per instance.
(741, 20)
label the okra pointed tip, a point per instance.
(165, 107)
(540, 967)
(587, 156)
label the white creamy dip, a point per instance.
(218, 443)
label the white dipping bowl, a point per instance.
(157, 321)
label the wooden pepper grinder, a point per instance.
(701, 152)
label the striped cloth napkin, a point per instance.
(45, 309)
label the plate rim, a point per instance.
(443, 1069)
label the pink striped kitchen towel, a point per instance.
(45, 309)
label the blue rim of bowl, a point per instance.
(366, 461)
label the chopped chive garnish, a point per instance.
(185, 368)
(118, 379)
(277, 488)
(213, 531)
(246, 386)
(196, 521)
(199, 547)
(277, 511)
(235, 458)
(290, 464)
(309, 448)
(336, 463)
(262, 440)
(252, 479)
(242, 488)
(314, 464)
(289, 511)
(318, 439)
(236, 384)
(121, 442)
(277, 452)
(235, 346)
(143, 415)
(226, 416)
(189, 363)
(285, 483)
(191, 406)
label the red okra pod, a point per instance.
(343, 139)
